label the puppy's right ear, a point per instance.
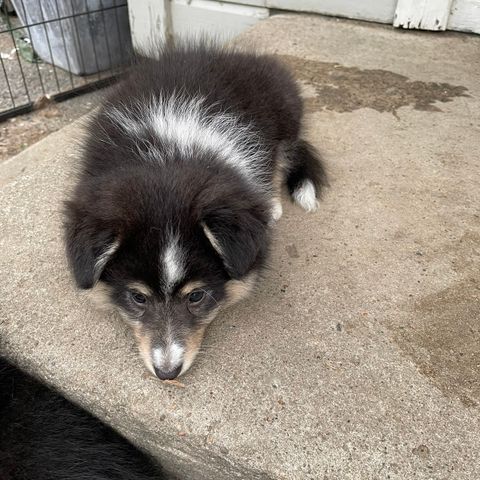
(89, 247)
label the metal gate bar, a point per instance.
(22, 91)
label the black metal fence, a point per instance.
(55, 49)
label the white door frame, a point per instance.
(462, 15)
(422, 14)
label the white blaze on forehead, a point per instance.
(173, 263)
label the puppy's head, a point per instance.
(168, 256)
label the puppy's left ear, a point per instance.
(239, 238)
(90, 245)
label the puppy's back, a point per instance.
(256, 87)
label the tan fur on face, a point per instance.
(235, 290)
(140, 287)
(192, 346)
(239, 289)
(190, 286)
(144, 343)
(101, 297)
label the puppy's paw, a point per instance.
(276, 212)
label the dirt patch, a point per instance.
(17, 74)
(443, 337)
(344, 89)
(20, 132)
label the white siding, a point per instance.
(220, 19)
(465, 16)
(374, 10)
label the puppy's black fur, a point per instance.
(179, 182)
(45, 437)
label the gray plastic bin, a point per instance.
(94, 37)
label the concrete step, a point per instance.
(358, 357)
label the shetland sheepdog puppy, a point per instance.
(179, 189)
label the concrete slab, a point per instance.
(358, 357)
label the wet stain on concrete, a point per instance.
(345, 89)
(443, 337)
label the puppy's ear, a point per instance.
(239, 238)
(89, 248)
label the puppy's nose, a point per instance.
(168, 374)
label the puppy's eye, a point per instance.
(138, 297)
(196, 296)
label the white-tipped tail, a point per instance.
(305, 196)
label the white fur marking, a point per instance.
(173, 261)
(103, 259)
(124, 120)
(159, 356)
(189, 124)
(305, 196)
(277, 210)
(168, 358)
(208, 233)
(176, 354)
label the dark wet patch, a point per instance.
(443, 337)
(344, 89)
